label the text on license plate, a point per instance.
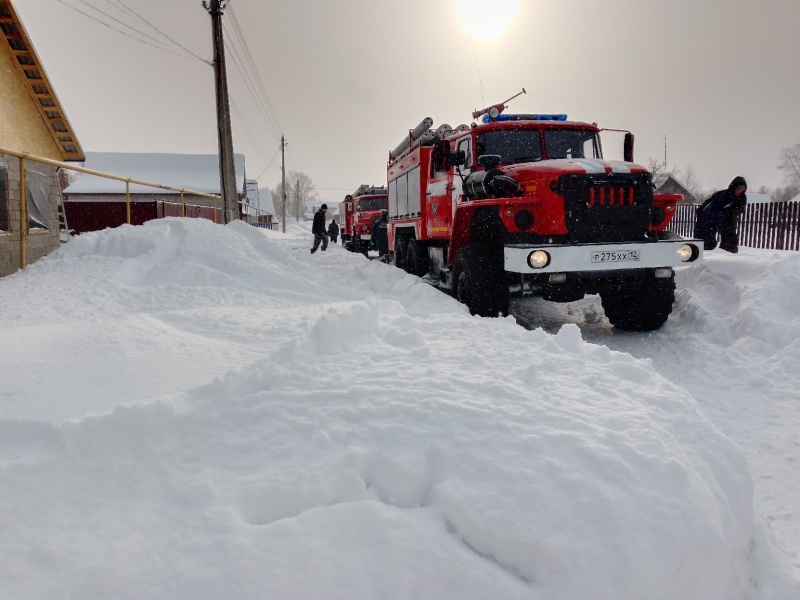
(615, 256)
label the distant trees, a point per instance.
(691, 180)
(659, 167)
(789, 163)
(687, 176)
(300, 189)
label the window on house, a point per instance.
(5, 212)
(38, 199)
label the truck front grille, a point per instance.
(608, 207)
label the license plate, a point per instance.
(615, 256)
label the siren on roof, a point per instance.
(543, 117)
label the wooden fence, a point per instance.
(774, 225)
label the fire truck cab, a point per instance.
(527, 203)
(358, 212)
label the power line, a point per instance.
(247, 83)
(133, 37)
(141, 18)
(246, 48)
(270, 163)
(102, 12)
(247, 129)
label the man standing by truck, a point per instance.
(318, 229)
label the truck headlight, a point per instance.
(688, 252)
(538, 259)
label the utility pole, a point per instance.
(227, 170)
(300, 207)
(283, 185)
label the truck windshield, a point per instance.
(511, 145)
(376, 203)
(571, 143)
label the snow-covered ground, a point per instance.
(196, 411)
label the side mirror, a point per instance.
(349, 206)
(455, 159)
(489, 161)
(627, 152)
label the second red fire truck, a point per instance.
(357, 214)
(527, 202)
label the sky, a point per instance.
(201, 431)
(346, 80)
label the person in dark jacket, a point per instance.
(318, 229)
(720, 214)
(333, 231)
(380, 237)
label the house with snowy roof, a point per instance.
(667, 183)
(93, 203)
(311, 209)
(33, 124)
(758, 198)
(258, 208)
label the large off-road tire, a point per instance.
(480, 282)
(643, 307)
(417, 262)
(400, 252)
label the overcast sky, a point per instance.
(347, 78)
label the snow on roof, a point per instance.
(265, 200)
(199, 172)
(662, 178)
(755, 198)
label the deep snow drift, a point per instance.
(197, 411)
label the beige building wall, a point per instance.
(39, 242)
(21, 125)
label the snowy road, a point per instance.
(733, 341)
(196, 411)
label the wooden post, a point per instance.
(227, 169)
(128, 200)
(283, 184)
(23, 215)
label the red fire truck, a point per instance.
(357, 213)
(527, 203)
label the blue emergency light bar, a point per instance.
(549, 117)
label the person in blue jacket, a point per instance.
(720, 215)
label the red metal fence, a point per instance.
(176, 209)
(95, 216)
(773, 226)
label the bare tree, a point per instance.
(690, 179)
(659, 167)
(790, 165)
(785, 193)
(295, 203)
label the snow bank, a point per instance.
(374, 440)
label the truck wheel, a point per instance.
(644, 307)
(399, 252)
(417, 262)
(480, 282)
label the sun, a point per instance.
(487, 20)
